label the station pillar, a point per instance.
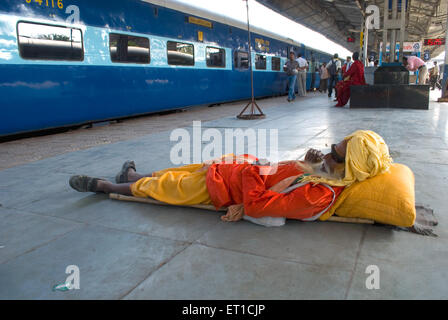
(444, 97)
(393, 28)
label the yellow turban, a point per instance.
(367, 155)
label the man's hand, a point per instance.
(282, 185)
(234, 213)
(314, 156)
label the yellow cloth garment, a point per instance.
(178, 186)
(367, 156)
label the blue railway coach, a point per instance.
(71, 62)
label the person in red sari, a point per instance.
(352, 77)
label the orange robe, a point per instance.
(230, 184)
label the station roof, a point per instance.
(340, 19)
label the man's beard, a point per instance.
(320, 169)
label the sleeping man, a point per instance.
(302, 190)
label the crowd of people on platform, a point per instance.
(338, 77)
(333, 77)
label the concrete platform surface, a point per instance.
(141, 251)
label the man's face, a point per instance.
(334, 162)
(349, 59)
(291, 56)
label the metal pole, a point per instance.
(250, 52)
(386, 18)
(402, 29)
(393, 33)
(252, 103)
(366, 44)
(361, 41)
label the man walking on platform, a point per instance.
(291, 68)
(301, 77)
(334, 67)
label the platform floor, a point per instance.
(140, 251)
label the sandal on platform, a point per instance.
(122, 176)
(84, 183)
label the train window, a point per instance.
(216, 57)
(180, 54)
(47, 42)
(241, 60)
(129, 49)
(275, 64)
(260, 62)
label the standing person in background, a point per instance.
(313, 79)
(434, 75)
(301, 77)
(291, 68)
(346, 65)
(333, 67)
(413, 63)
(324, 75)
